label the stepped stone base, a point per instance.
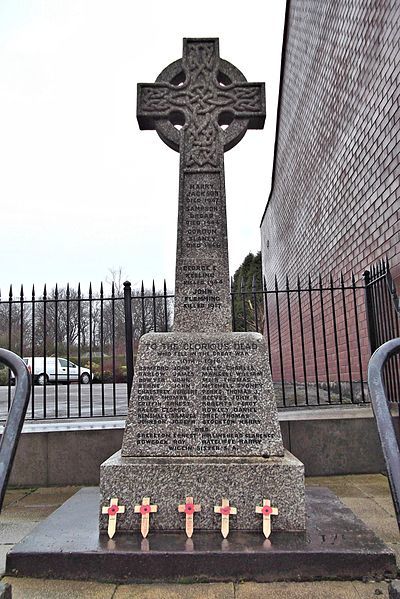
(336, 545)
(245, 481)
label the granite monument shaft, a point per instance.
(202, 94)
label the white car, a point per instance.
(56, 371)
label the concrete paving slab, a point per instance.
(371, 589)
(375, 490)
(365, 479)
(4, 549)
(31, 588)
(48, 496)
(15, 495)
(13, 532)
(176, 591)
(347, 490)
(365, 507)
(20, 513)
(386, 503)
(296, 590)
(69, 489)
(385, 528)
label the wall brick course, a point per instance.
(335, 200)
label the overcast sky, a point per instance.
(82, 189)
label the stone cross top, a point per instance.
(201, 106)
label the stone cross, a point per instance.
(267, 511)
(112, 510)
(225, 510)
(145, 510)
(189, 508)
(201, 106)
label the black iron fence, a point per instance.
(80, 347)
(383, 318)
(74, 346)
(316, 335)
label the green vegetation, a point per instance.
(248, 299)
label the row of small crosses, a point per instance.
(188, 508)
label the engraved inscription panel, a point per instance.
(202, 395)
(202, 277)
(203, 227)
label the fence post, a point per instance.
(369, 308)
(128, 335)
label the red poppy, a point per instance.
(267, 510)
(226, 510)
(144, 509)
(189, 508)
(112, 510)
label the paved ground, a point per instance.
(367, 495)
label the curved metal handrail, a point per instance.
(384, 421)
(16, 416)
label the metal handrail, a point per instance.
(16, 416)
(390, 446)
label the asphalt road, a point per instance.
(105, 400)
(53, 401)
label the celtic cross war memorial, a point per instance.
(202, 488)
(202, 418)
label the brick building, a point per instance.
(334, 205)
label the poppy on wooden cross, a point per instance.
(267, 511)
(225, 510)
(112, 510)
(145, 509)
(189, 508)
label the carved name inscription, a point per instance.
(202, 277)
(202, 396)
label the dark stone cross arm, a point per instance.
(178, 95)
(201, 106)
(166, 102)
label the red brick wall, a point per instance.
(334, 206)
(335, 201)
(327, 353)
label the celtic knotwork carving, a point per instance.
(202, 140)
(203, 102)
(200, 61)
(156, 99)
(246, 99)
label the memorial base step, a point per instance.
(335, 546)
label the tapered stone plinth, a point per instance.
(202, 395)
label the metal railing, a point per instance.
(381, 400)
(383, 319)
(13, 427)
(316, 333)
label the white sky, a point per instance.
(82, 189)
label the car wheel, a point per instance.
(85, 378)
(41, 379)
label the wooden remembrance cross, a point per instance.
(213, 104)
